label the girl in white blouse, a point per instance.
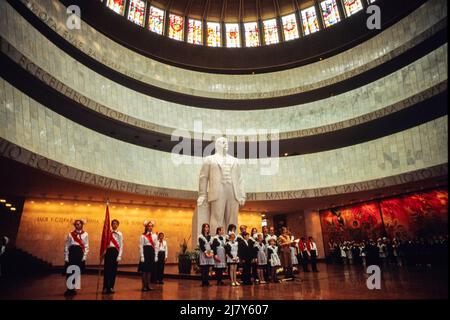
(148, 252)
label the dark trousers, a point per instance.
(247, 272)
(273, 273)
(160, 264)
(255, 270)
(314, 260)
(75, 258)
(219, 275)
(205, 274)
(110, 268)
(305, 260)
(266, 272)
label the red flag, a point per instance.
(106, 234)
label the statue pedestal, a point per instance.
(201, 216)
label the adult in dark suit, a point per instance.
(246, 252)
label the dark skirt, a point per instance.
(149, 260)
(75, 258)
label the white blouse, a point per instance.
(162, 246)
(70, 241)
(118, 236)
(145, 242)
(313, 246)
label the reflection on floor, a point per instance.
(332, 282)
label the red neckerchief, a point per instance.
(160, 243)
(308, 245)
(150, 239)
(301, 245)
(77, 238)
(114, 241)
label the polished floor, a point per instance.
(332, 282)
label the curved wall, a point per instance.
(394, 40)
(34, 127)
(164, 117)
(393, 83)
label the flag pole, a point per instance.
(98, 277)
(100, 258)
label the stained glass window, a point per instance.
(213, 34)
(176, 24)
(232, 35)
(156, 20)
(251, 34)
(352, 6)
(136, 12)
(309, 20)
(270, 31)
(117, 6)
(330, 12)
(290, 28)
(195, 34)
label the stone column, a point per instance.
(313, 228)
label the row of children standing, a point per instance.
(260, 255)
(153, 252)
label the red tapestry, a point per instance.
(421, 214)
(355, 222)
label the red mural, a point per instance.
(360, 221)
(414, 215)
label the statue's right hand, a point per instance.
(201, 201)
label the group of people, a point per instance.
(153, 250)
(418, 252)
(260, 254)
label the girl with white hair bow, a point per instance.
(148, 252)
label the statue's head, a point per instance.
(221, 145)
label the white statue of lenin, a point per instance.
(222, 186)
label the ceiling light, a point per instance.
(2, 200)
(12, 209)
(8, 204)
